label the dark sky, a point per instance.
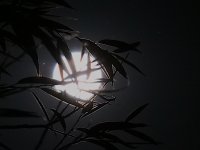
(169, 35)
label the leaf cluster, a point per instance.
(30, 25)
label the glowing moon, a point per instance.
(84, 82)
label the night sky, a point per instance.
(169, 35)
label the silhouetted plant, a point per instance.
(27, 24)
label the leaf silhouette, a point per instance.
(118, 66)
(47, 41)
(136, 112)
(99, 106)
(141, 135)
(8, 112)
(79, 73)
(10, 91)
(41, 80)
(3, 43)
(2, 70)
(8, 36)
(102, 96)
(110, 126)
(106, 59)
(60, 118)
(104, 144)
(107, 97)
(89, 69)
(88, 107)
(99, 54)
(132, 46)
(115, 139)
(41, 106)
(122, 46)
(62, 45)
(8, 55)
(26, 39)
(61, 72)
(50, 24)
(63, 97)
(83, 51)
(4, 146)
(129, 63)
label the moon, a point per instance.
(85, 82)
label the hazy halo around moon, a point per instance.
(84, 82)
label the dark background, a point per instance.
(169, 35)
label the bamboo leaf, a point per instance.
(79, 73)
(99, 54)
(136, 112)
(104, 144)
(141, 135)
(47, 41)
(41, 80)
(115, 139)
(129, 63)
(110, 126)
(62, 45)
(61, 72)
(25, 37)
(118, 66)
(88, 107)
(53, 25)
(99, 106)
(2, 70)
(89, 69)
(60, 118)
(4, 146)
(8, 112)
(122, 46)
(41, 106)
(63, 97)
(3, 43)
(83, 51)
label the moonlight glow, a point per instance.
(84, 82)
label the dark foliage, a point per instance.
(29, 24)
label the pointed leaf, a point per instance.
(114, 43)
(115, 139)
(104, 144)
(41, 80)
(61, 72)
(63, 97)
(141, 135)
(83, 51)
(100, 55)
(4, 146)
(110, 126)
(41, 106)
(47, 41)
(62, 45)
(136, 112)
(53, 25)
(89, 69)
(99, 106)
(8, 112)
(122, 46)
(88, 107)
(60, 118)
(26, 39)
(79, 73)
(118, 66)
(129, 63)
(2, 70)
